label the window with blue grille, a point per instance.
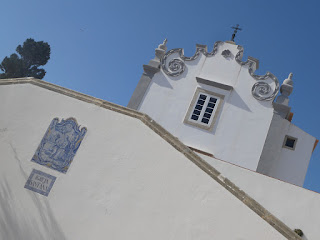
(204, 107)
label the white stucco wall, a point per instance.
(242, 125)
(125, 181)
(295, 206)
(282, 163)
(293, 164)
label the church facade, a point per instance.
(215, 103)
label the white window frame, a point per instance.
(285, 141)
(198, 123)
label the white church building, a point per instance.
(205, 150)
(214, 103)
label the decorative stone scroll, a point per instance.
(59, 144)
(175, 67)
(261, 90)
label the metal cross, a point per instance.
(236, 28)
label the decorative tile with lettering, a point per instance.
(60, 144)
(40, 182)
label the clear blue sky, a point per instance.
(99, 47)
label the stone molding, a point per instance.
(173, 141)
(214, 84)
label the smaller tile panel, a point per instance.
(40, 182)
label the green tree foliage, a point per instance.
(32, 54)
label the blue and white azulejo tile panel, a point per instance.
(60, 144)
(40, 182)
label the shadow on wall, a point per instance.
(163, 81)
(237, 101)
(17, 224)
(18, 221)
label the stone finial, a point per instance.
(154, 64)
(163, 45)
(287, 86)
(289, 80)
(281, 105)
(161, 50)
